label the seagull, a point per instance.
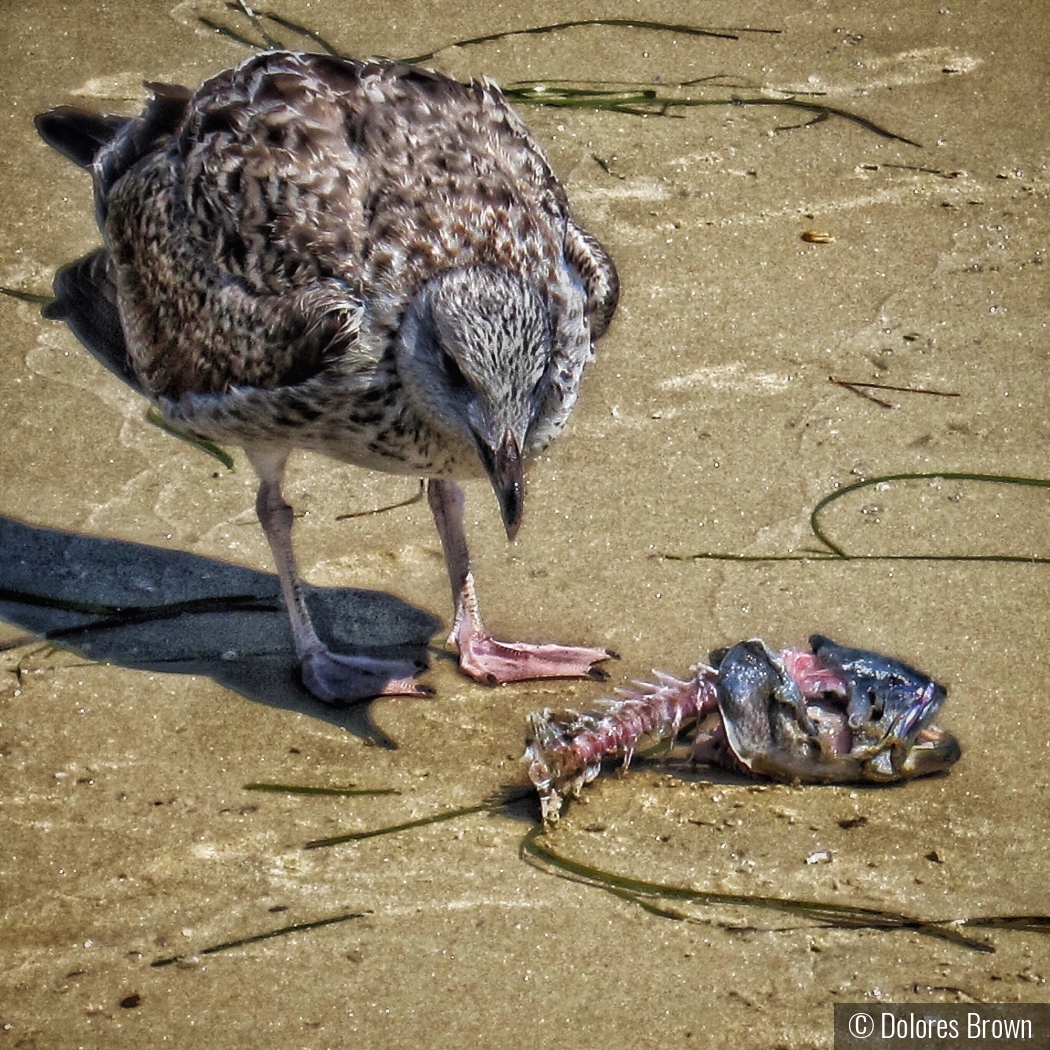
(364, 259)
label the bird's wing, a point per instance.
(85, 290)
(233, 218)
(77, 134)
(273, 180)
(590, 260)
(111, 145)
(85, 298)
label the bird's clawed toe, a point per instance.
(340, 678)
(495, 663)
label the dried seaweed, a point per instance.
(208, 447)
(417, 498)
(257, 18)
(836, 551)
(306, 789)
(536, 848)
(120, 615)
(632, 99)
(240, 942)
(641, 100)
(831, 551)
(861, 390)
(718, 33)
(26, 297)
(657, 899)
(489, 805)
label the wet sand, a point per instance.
(707, 426)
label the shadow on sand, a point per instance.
(153, 609)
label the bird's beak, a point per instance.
(506, 471)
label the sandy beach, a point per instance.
(837, 305)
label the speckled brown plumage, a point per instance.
(365, 259)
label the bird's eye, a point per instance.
(456, 379)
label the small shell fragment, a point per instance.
(817, 237)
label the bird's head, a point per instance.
(475, 352)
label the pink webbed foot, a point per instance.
(481, 657)
(494, 663)
(340, 678)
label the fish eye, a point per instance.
(876, 703)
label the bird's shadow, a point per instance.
(154, 609)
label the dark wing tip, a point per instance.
(77, 134)
(85, 300)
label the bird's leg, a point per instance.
(480, 656)
(332, 677)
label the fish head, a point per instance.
(836, 715)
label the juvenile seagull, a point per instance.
(364, 259)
